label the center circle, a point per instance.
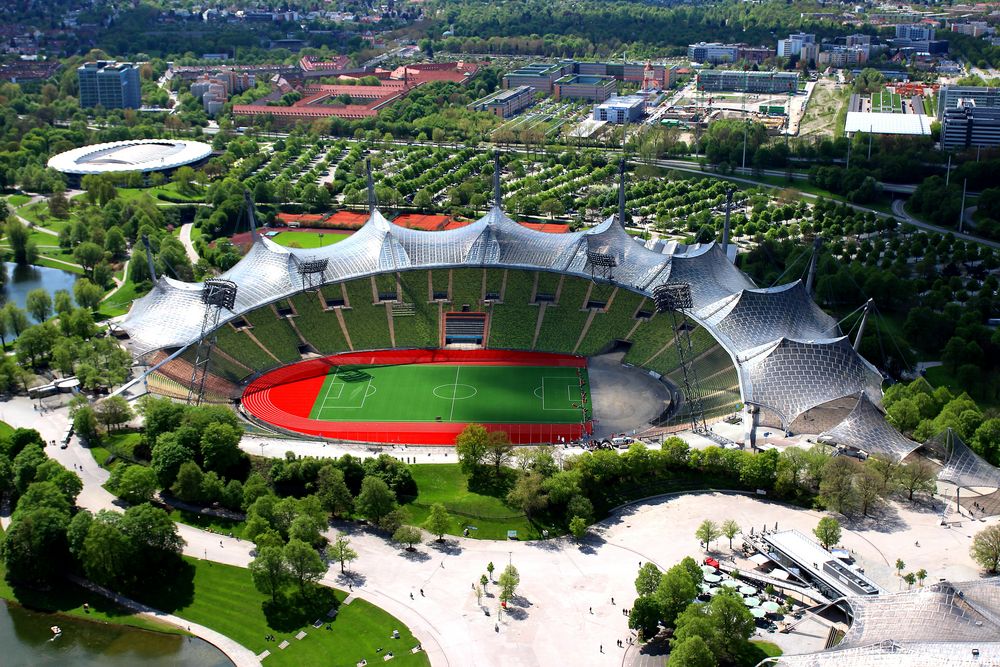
(454, 391)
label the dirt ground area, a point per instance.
(827, 100)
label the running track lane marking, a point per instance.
(454, 393)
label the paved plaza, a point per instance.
(564, 613)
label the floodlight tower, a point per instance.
(673, 298)
(217, 294)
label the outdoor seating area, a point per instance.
(765, 605)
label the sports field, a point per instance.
(307, 239)
(427, 397)
(460, 393)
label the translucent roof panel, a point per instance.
(888, 123)
(757, 316)
(791, 376)
(169, 316)
(709, 272)
(263, 275)
(888, 654)
(866, 429)
(962, 466)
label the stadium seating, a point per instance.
(366, 322)
(614, 324)
(466, 288)
(512, 323)
(319, 327)
(275, 333)
(239, 346)
(417, 323)
(564, 320)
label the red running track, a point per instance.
(285, 396)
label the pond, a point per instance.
(23, 279)
(27, 642)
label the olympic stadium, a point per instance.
(141, 155)
(402, 336)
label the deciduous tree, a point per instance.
(827, 531)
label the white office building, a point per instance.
(625, 109)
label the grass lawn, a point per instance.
(224, 598)
(100, 454)
(38, 213)
(448, 485)
(939, 377)
(165, 193)
(209, 522)
(17, 200)
(119, 302)
(6, 430)
(305, 239)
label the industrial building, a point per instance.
(949, 97)
(584, 87)
(793, 45)
(625, 109)
(713, 53)
(111, 84)
(540, 76)
(970, 126)
(507, 103)
(714, 80)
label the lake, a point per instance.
(23, 279)
(27, 642)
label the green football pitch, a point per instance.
(452, 393)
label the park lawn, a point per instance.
(492, 517)
(6, 430)
(38, 213)
(68, 599)
(161, 193)
(17, 200)
(225, 599)
(119, 302)
(100, 454)
(209, 522)
(305, 239)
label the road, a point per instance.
(185, 237)
(900, 211)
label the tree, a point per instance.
(692, 651)
(921, 574)
(708, 531)
(900, 566)
(910, 579)
(528, 494)
(509, 580)
(269, 571)
(489, 569)
(187, 486)
(985, 548)
(645, 616)
(113, 411)
(168, 456)
(471, 447)
(39, 304)
(87, 255)
(674, 593)
(34, 548)
(19, 239)
(220, 447)
(408, 535)
(648, 579)
(578, 527)
(152, 529)
(438, 522)
(827, 531)
(87, 294)
(184, 179)
(137, 484)
(341, 550)
(730, 529)
(916, 476)
(333, 492)
(16, 318)
(498, 450)
(836, 487)
(107, 551)
(375, 499)
(304, 564)
(869, 487)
